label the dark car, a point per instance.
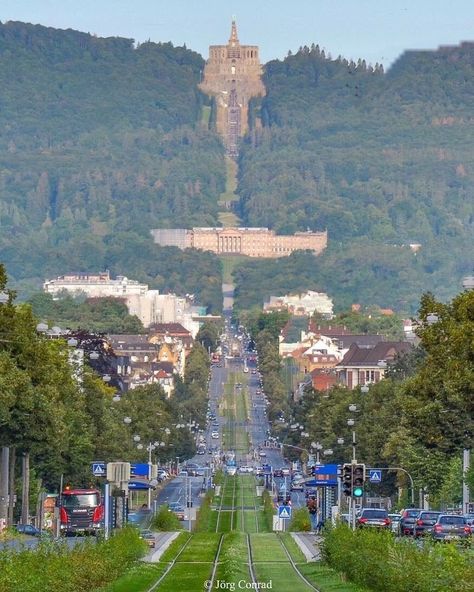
(29, 529)
(373, 518)
(407, 521)
(425, 522)
(277, 473)
(450, 527)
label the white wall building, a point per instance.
(148, 305)
(302, 304)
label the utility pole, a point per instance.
(4, 474)
(465, 487)
(25, 492)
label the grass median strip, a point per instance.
(267, 548)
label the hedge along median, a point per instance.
(54, 566)
(383, 563)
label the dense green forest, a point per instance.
(99, 144)
(380, 160)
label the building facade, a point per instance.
(233, 75)
(148, 305)
(252, 242)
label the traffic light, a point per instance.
(347, 479)
(358, 480)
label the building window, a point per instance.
(370, 376)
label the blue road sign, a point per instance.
(98, 469)
(139, 470)
(284, 512)
(323, 475)
(375, 475)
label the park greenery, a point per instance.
(98, 315)
(54, 565)
(400, 565)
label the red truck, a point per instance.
(81, 511)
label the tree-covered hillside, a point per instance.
(99, 143)
(380, 160)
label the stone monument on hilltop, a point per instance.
(233, 76)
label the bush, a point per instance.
(268, 510)
(382, 563)
(53, 565)
(165, 520)
(204, 513)
(300, 520)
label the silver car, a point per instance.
(450, 527)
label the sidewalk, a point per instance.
(309, 543)
(162, 541)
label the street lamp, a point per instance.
(364, 389)
(116, 398)
(127, 420)
(432, 318)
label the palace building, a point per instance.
(252, 242)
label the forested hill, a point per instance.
(99, 142)
(380, 160)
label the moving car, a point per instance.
(373, 518)
(407, 521)
(425, 522)
(450, 527)
(148, 537)
(297, 485)
(395, 519)
(178, 509)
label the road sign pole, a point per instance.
(107, 510)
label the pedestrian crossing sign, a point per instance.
(284, 512)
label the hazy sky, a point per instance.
(376, 30)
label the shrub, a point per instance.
(268, 509)
(300, 520)
(165, 520)
(204, 513)
(53, 565)
(383, 563)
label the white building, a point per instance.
(302, 304)
(148, 305)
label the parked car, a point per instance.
(373, 518)
(285, 471)
(277, 473)
(407, 521)
(29, 530)
(215, 435)
(425, 522)
(450, 527)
